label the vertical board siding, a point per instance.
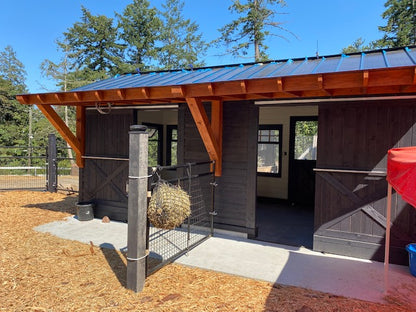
(106, 135)
(357, 136)
(235, 197)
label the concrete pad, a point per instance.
(338, 275)
(343, 276)
(107, 235)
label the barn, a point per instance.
(304, 137)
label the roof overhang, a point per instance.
(292, 82)
(386, 81)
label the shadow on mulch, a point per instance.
(115, 262)
(68, 205)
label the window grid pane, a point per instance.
(269, 149)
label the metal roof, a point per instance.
(380, 59)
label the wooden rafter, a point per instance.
(178, 91)
(205, 130)
(365, 81)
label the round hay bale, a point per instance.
(169, 206)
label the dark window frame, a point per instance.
(159, 129)
(169, 140)
(278, 127)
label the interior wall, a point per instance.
(164, 117)
(161, 116)
(277, 187)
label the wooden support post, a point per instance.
(137, 208)
(80, 134)
(216, 125)
(52, 164)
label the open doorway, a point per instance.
(287, 142)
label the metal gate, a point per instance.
(38, 168)
(198, 180)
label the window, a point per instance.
(306, 139)
(172, 146)
(155, 144)
(269, 150)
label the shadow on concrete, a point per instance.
(346, 277)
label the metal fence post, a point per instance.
(137, 208)
(52, 181)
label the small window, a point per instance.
(269, 150)
(306, 139)
(172, 146)
(155, 144)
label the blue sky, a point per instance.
(32, 27)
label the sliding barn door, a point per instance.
(105, 175)
(351, 187)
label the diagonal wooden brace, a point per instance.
(206, 131)
(62, 128)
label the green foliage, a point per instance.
(14, 116)
(305, 139)
(400, 30)
(142, 39)
(139, 26)
(93, 44)
(42, 127)
(181, 45)
(12, 70)
(358, 46)
(252, 28)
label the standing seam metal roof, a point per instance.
(317, 65)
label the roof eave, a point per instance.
(373, 81)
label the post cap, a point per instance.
(138, 128)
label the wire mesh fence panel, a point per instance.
(22, 168)
(165, 245)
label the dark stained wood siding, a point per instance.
(350, 208)
(104, 181)
(235, 199)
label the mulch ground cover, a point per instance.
(41, 272)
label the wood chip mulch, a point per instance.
(40, 272)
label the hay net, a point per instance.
(169, 206)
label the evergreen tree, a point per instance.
(93, 44)
(250, 30)
(358, 46)
(139, 26)
(181, 44)
(13, 116)
(401, 24)
(12, 70)
(59, 71)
